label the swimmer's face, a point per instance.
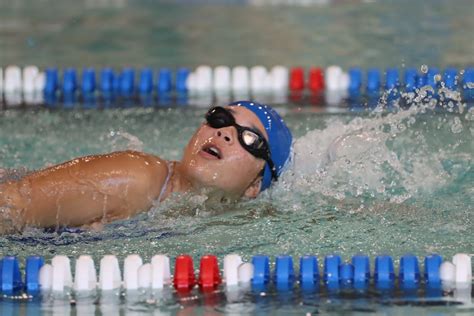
(214, 157)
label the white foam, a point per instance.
(354, 158)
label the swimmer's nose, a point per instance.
(226, 134)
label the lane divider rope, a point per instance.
(356, 273)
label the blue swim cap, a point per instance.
(279, 137)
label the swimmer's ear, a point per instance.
(254, 189)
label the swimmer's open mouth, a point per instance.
(212, 150)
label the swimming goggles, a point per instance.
(250, 139)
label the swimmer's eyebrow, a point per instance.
(251, 126)
(256, 129)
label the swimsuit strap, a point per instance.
(170, 165)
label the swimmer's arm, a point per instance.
(88, 189)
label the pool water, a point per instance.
(378, 181)
(164, 33)
(372, 183)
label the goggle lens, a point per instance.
(251, 139)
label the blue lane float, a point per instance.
(51, 81)
(450, 78)
(384, 273)
(107, 79)
(261, 266)
(309, 272)
(146, 81)
(284, 272)
(421, 80)
(391, 79)
(165, 81)
(392, 83)
(373, 81)
(355, 81)
(127, 82)
(32, 270)
(10, 275)
(468, 84)
(181, 80)
(432, 266)
(361, 265)
(88, 81)
(69, 81)
(331, 269)
(409, 274)
(433, 77)
(410, 80)
(346, 273)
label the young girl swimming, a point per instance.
(237, 152)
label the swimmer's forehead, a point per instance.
(245, 117)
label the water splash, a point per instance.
(390, 156)
(121, 140)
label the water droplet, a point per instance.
(424, 69)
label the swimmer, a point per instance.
(239, 151)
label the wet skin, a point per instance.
(101, 188)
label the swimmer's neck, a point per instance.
(179, 183)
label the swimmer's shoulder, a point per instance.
(148, 165)
(152, 172)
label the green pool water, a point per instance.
(372, 182)
(367, 183)
(386, 183)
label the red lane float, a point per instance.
(297, 79)
(184, 278)
(209, 275)
(316, 80)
